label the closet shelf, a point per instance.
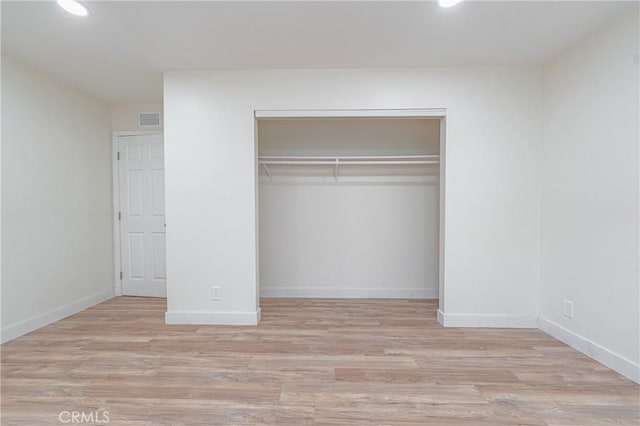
(336, 162)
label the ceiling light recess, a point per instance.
(72, 6)
(448, 3)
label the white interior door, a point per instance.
(142, 220)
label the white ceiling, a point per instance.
(118, 53)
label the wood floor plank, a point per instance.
(452, 376)
(341, 394)
(331, 361)
(309, 362)
(489, 414)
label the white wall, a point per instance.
(352, 136)
(56, 200)
(126, 116)
(590, 196)
(371, 233)
(494, 133)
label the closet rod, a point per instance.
(388, 160)
(346, 163)
(350, 158)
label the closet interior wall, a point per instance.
(365, 230)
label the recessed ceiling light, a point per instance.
(448, 3)
(72, 6)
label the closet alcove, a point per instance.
(349, 206)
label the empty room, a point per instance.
(320, 212)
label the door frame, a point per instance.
(115, 172)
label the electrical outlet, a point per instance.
(215, 293)
(567, 308)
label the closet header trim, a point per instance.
(352, 113)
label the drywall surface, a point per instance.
(126, 117)
(370, 232)
(349, 136)
(56, 200)
(491, 219)
(352, 238)
(590, 193)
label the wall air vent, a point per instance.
(149, 119)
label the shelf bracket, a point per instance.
(266, 169)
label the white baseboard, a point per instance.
(39, 321)
(351, 293)
(489, 321)
(593, 350)
(213, 318)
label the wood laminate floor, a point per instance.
(310, 361)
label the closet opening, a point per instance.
(350, 204)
